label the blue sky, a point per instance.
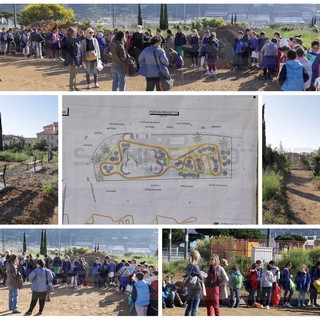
(293, 120)
(26, 115)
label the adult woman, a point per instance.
(117, 52)
(90, 53)
(152, 61)
(169, 43)
(14, 282)
(194, 294)
(40, 278)
(73, 56)
(216, 277)
(194, 48)
(314, 275)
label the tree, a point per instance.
(45, 249)
(232, 19)
(41, 243)
(264, 141)
(140, 22)
(98, 247)
(6, 14)
(177, 237)
(40, 144)
(235, 18)
(165, 17)
(24, 248)
(161, 17)
(290, 237)
(95, 248)
(234, 233)
(37, 12)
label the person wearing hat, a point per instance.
(223, 286)
(102, 45)
(90, 53)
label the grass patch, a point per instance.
(49, 186)
(271, 185)
(11, 156)
(317, 178)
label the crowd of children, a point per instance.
(140, 280)
(288, 60)
(262, 285)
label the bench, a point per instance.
(35, 160)
(3, 169)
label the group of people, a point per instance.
(263, 286)
(141, 280)
(288, 60)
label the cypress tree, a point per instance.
(24, 249)
(45, 249)
(98, 247)
(161, 17)
(139, 15)
(1, 142)
(235, 18)
(232, 19)
(95, 248)
(165, 17)
(41, 243)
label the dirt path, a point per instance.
(67, 301)
(303, 200)
(28, 74)
(253, 312)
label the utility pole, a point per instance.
(184, 13)
(186, 244)
(1, 141)
(113, 18)
(170, 244)
(269, 237)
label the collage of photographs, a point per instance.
(202, 200)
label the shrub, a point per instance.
(204, 247)
(11, 156)
(296, 256)
(314, 255)
(271, 185)
(74, 251)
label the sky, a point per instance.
(294, 120)
(26, 115)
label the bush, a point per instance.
(314, 255)
(74, 251)
(11, 156)
(296, 256)
(174, 267)
(204, 247)
(271, 185)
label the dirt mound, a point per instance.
(24, 201)
(316, 185)
(47, 25)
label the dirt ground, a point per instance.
(67, 301)
(28, 74)
(244, 311)
(24, 200)
(302, 197)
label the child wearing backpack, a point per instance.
(96, 272)
(82, 273)
(212, 55)
(252, 284)
(124, 275)
(266, 285)
(235, 283)
(112, 271)
(286, 284)
(302, 281)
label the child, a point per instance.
(259, 274)
(181, 294)
(141, 295)
(266, 285)
(153, 308)
(275, 271)
(124, 277)
(96, 272)
(287, 285)
(246, 51)
(66, 267)
(235, 283)
(203, 49)
(301, 54)
(180, 41)
(112, 270)
(302, 280)
(238, 48)
(269, 52)
(57, 264)
(261, 42)
(176, 60)
(253, 46)
(75, 269)
(314, 275)
(169, 292)
(292, 75)
(212, 55)
(194, 50)
(82, 273)
(253, 285)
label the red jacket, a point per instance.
(255, 283)
(154, 293)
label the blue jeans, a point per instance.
(13, 298)
(193, 303)
(118, 80)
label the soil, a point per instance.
(29, 74)
(67, 301)
(24, 201)
(303, 197)
(244, 311)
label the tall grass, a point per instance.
(11, 156)
(271, 184)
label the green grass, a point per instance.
(317, 178)
(307, 35)
(49, 186)
(271, 185)
(13, 156)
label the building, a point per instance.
(50, 134)
(30, 140)
(7, 138)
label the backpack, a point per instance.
(237, 281)
(212, 50)
(104, 270)
(239, 47)
(247, 282)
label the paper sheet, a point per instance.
(159, 159)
